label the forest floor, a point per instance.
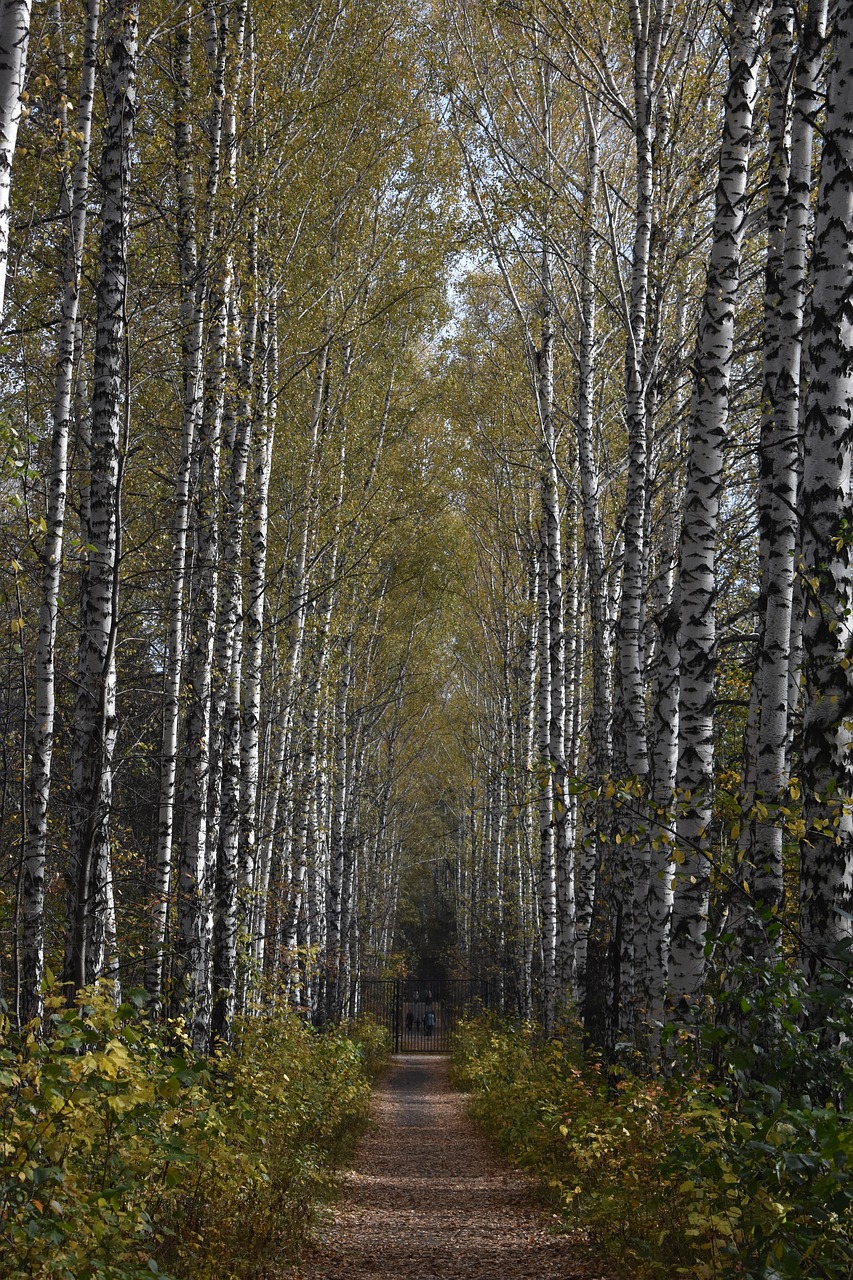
(429, 1199)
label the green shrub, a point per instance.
(124, 1156)
(706, 1175)
(598, 1150)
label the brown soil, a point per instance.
(429, 1199)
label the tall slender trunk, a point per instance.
(664, 760)
(280, 784)
(191, 988)
(826, 903)
(191, 993)
(224, 830)
(598, 751)
(192, 325)
(255, 878)
(566, 852)
(785, 309)
(14, 42)
(95, 715)
(650, 29)
(545, 786)
(697, 569)
(552, 695)
(73, 206)
(338, 843)
(307, 841)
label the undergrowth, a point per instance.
(124, 1156)
(742, 1167)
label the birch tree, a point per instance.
(14, 45)
(786, 292)
(827, 849)
(707, 441)
(192, 321)
(95, 713)
(75, 187)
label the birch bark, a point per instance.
(338, 850)
(552, 697)
(192, 949)
(826, 901)
(192, 989)
(599, 749)
(14, 44)
(73, 207)
(785, 309)
(192, 329)
(224, 828)
(697, 576)
(278, 783)
(94, 717)
(254, 878)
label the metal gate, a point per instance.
(421, 1015)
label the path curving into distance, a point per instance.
(429, 1199)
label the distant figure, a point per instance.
(410, 1020)
(429, 1023)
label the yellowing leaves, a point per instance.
(104, 1127)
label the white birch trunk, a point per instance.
(545, 785)
(14, 42)
(697, 571)
(785, 310)
(826, 902)
(192, 323)
(191, 992)
(654, 962)
(225, 825)
(338, 868)
(94, 718)
(73, 205)
(598, 752)
(278, 782)
(192, 984)
(254, 879)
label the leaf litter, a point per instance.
(428, 1198)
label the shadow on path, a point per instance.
(428, 1198)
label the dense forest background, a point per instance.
(426, 529)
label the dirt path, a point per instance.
(429, 1200)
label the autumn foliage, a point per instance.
(125, 1156)
(735, 1169)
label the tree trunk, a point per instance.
(598, 752)
(192, 322)
(785, 308)
(14, 41)
(697, 572)
(826, 905)
(73, 204)
(95, 717)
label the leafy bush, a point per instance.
(124, 1156)
(766, 1145)
(729, 1171)
(598, 1151)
